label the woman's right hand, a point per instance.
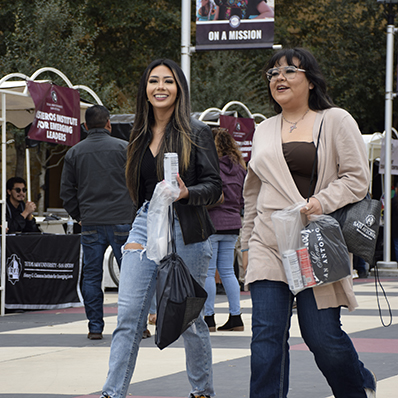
(313, 207)
(184, 193)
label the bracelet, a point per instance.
(244, 250)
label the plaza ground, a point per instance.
(47, 354)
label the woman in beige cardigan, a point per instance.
(278, 176)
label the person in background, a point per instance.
(208, 11)
(227, 221)
(94, 193)
(244, 9)
(163, 124)
(279, 175)
(19, 215)
(361, 267)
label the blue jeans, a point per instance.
(223, 260)
(136, 289)
(321, 330)
(95, 240)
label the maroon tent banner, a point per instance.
(57, 114)
(234, 24)
(242, 129)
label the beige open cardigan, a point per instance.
(343, 177)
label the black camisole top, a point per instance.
(299, 156)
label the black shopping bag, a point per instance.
(327, 249)
(180, 298)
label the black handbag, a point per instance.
(360, 224)
(180, 298)
(359, 221)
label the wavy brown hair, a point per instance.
(177, 136)
(227, 146)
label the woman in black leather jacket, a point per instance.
(163, 124)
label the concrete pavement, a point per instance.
(47, 353)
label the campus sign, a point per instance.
(234, 24)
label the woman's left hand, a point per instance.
(184, 193)
(312, 207)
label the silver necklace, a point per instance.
(294, 124)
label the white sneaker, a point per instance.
(369, 392)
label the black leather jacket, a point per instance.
(202, 178)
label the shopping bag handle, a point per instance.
(172, 229)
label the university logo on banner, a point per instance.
(234, 24)
(14, 269)
(57, 114)
(242, 129)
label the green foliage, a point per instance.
(220, 77)
(347, 38)
(50, 33)
(131, 34)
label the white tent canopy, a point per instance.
(19, 104)
(17, 107)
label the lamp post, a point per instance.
(186, 48)
(389, 6)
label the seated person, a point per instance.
(19, 214)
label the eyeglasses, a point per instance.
(18, 190)
(289, 72)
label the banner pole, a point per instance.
(28, 182)
(3, 202)
(186, 39)
(387, 263)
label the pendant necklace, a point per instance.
(294, 124)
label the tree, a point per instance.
(217, 78)
(129, 35)
(34, 42)
(347, 38)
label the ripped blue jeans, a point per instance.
(136, 288)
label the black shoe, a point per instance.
(211, 324)
(199, 396)
(94, 336)
(362, 274)
(234, 323)
(146, 334)
(220, 289)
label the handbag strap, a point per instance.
(172, 229)
(314, 164)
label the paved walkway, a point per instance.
(47, 354)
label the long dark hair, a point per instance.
(177, 137)
(319, 99)
(227, 146)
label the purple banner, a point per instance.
(57, 114)
(242, 129)
(234, 24)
